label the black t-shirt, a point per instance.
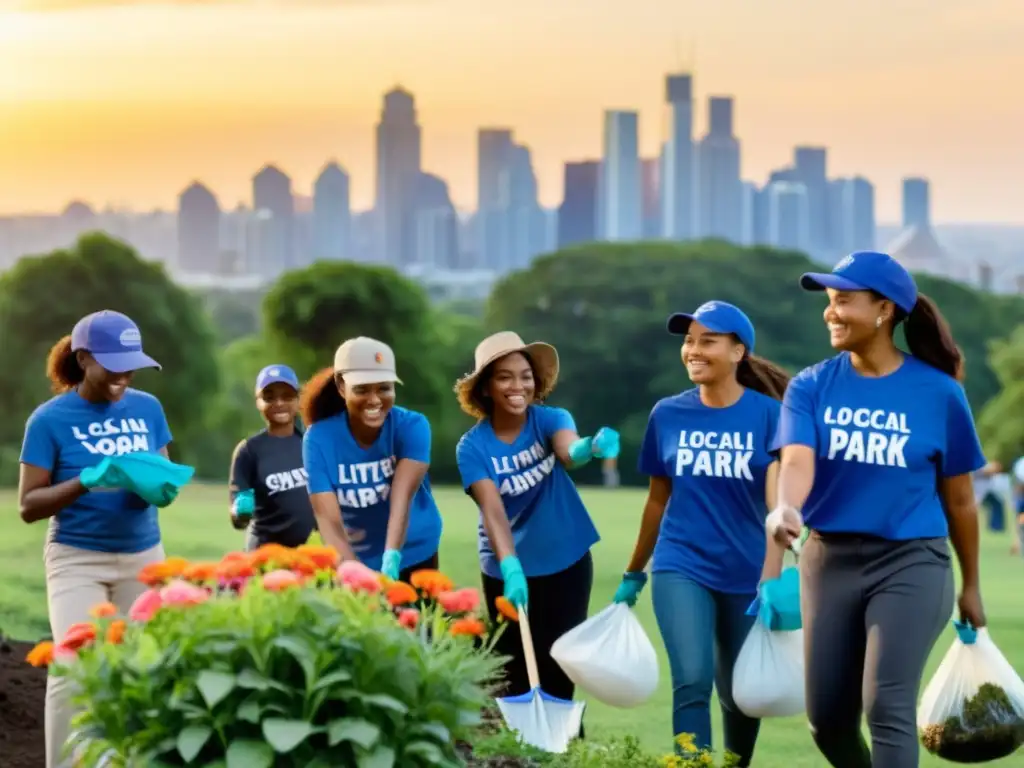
(272, 467)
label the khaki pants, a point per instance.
(76, 580)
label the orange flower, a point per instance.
(175, 566)
(400, 593)
(79, 635)
(41, 655)
(233, 567)
(103, 611)
(115, 632)
(303, 565)
(463, 600)
(275, 581)
(154, 574)
(431, 582)
(506, 609)
(271, 554)
(200, 572)
(326, 558)
(468, 626)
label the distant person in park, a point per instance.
(1018, 503)
(712, 474)
(367, 462)
(534, 534)
(100, 536)
(878, 448)
(268, 479)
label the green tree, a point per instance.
(42, 297)
(1001, 421)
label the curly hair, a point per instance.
(62, 368)
(319, 398)
(470, 389)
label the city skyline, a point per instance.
(204, 106)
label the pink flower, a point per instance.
(145, 605)
(280, 579)
(463, 600)
(64, 655)
(409, 618)
(356, 576)
(180, 592)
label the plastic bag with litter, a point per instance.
(610, 657)
(973, 708)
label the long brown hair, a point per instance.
(320, 398)
(762, 376)
(930, 339)
(62, 368)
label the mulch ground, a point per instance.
(22, 699)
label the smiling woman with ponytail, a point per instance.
(707, 453)
(878, 448)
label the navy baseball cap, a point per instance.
(717, 317)
(276, 374)
(113, 340)
(867, 271)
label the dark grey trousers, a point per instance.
(872, 610)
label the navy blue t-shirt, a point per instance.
(718, 459)
(882, 445)
(67, 434)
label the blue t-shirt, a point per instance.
(718, 458)
(551, 528)
(361, 479)
(68, 434)
(882, 445)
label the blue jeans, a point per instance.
(703, 631)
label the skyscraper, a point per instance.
(678, 180)
(853, 215)
(620, 184)
(916, 203)
(788, 215)
(198, 230)
(577, 215)
(399, 142)
(332, 214)
(494, 156)
(810, 169)
(272, 192)
(719, 201)
(437, 240)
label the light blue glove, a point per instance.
(391, 564)
(630, 587)
(581, 451)
(245, 503)
(516, 591)
(103, 475)
(605, 444)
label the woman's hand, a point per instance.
(784, 525)
(971, 609)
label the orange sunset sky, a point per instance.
(127, 102)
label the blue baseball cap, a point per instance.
(113, 340)
(276, 374)
(867, 271)
(717, 317)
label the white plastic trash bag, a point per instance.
(973, 708)
(768, 679)
(610, 657)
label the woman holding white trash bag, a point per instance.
(707, 454)
(877, 450)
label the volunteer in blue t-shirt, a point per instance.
(367, 460)
(99, 536)
(534, 533)
(708, 454)
(878, 447)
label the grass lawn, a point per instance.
(197, 527)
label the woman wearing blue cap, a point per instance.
(878, 447)
(268, 480)
(367, 461)
(708, 454)
(100, 536)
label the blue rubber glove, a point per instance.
(630, 587)
(516, 591)
(606, 443)
(102, 475)
(245, 503)
(390, 564)
(581, 451)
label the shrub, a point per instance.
(279, 658)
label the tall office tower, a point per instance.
(332, 214)
(494, 157)
(272, 192)
(853, 215)
(678, 174)
(719, 202)
(577, 215)
(788, 214)
(917, 203)
(399, 141)
(810, 169)
(620, 183)
(199, 219)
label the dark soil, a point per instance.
(22, 700)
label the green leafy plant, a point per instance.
(988, 728)
(279, 659)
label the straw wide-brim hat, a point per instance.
(543, 355)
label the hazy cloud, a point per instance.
(76, 5)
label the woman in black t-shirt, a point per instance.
(268, 480)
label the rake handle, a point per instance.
(528, 653)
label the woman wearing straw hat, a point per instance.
(367, 462)
(535, 534)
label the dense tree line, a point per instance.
(603, 305)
